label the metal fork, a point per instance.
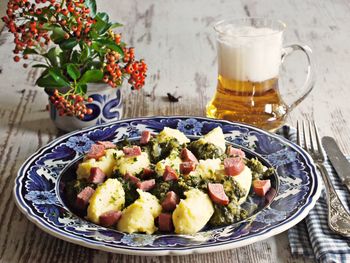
(338, 217)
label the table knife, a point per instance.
(338, 160)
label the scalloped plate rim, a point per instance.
(279, 228)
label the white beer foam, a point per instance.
(249, 53)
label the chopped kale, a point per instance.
(258, 169)
(161, 189)
(73, 188)
(232, 189)
(130, 191)
(203, 150)
(159, 151)
(225, 215)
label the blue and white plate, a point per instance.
(38, 190)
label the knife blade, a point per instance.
(338, 160)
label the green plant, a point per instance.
(77, 46)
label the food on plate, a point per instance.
(106, 163)
(108, 196)
(167, 183)
(131, 164)
(140, 215)
(193, 212)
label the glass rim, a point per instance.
(281, 26)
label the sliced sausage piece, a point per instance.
(233, 166)
(170, 201)
(132, 178)
(147, 172)
(145, 137)
(146, 185)
(165, 222)
(217, 194)
(132, 151)
(187, 167)
(96, 151)
(107, 144)
(188, 156)
(170, 174)
(83, 197)
(110, 218)
(97, 176)
(261, 187)
(234, 152)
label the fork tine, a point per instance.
(304, 137)
(298, 134)
(318, 141)
(310, 136)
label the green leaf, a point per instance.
(52, 78)
(115, 25)
(48, 26)
(59, 77)
(29, 51)
(81, 88)
(40, 66)
(96, 46)
(68, 43)
(89, 76)
(92, 5)
(73, 71)
(85, 52)
(65, 57)
(52, 56)
(111, 45)
(102, 16)
(57, 35)
(102, 23)
(75, 57)
(94, 65)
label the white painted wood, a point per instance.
(176, 39)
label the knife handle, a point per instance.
(338, 217)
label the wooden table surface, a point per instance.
(177, 40)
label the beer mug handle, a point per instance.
(310, 77)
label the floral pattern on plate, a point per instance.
(37, 188)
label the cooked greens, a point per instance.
(204, 150)
(167, 177)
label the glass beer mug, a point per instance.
(250, 54)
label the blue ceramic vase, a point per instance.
(106, 107)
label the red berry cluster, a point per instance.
(32, 23)
(26, 21)
(70, 105)
(113, 72)
(74, 19)
(28, 31)
(137, 72)
(115, 68)
(135, 69)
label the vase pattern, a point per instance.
(106, 106)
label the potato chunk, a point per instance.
(208, 169)
(167, 133)
(244, 179)
(193, 213)
(132, 165)
(173, 161)
(105, 163)
(109, 196)
(139, 216)
(216, 137)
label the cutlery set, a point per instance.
(338, 216)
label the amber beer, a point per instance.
(249, 58)
(256, 103)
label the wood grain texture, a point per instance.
(176, 39)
